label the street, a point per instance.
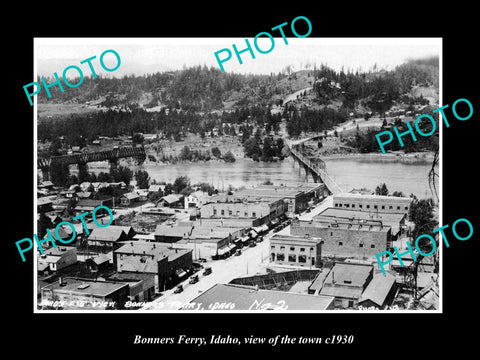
(251, 261)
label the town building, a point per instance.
(174, 201)
(166, 263)
(107, 238)
(295, 250)
(346, 238)
(129, 198)
(44, 204)
(396, 221)
(241, 297)
(345, 282)
(380, 292)
(261, 210)
(85, 294)
(297, 198)
(98, 263)
(57, 258)
(372, 203)
(141, 285)
(88, 205)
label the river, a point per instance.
(349, 174)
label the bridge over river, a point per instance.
(81, 159)
(316, 168)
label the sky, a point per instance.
(141, 56)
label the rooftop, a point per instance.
(346, 280)
(346, 224)
(292, 239)
(372, 197)
(111, 233)
(86, 286)
(378, 289)
(248, 298)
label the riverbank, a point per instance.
(417, 158)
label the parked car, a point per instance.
(238, 252)
(253, 243)
(178, 289)
(202, 260)
(260, 239)
(207, 271)
(193, 279)
(196, 266)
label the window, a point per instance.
(360, 245)
(214, 211)
(372, 246)
(331, 233)
(273, 257)
(280, 257)
(398, 207)
(302, 258)
(311, 249)
(282, 247)
(336, 205)
(238, 212)
(340, 243)
(360, 206)
(292, 258)
(383, 207)
(375, 206)
(245, 214)
(272, 247)
(254, 214)
(230, 212)
(353, 205)
(368, 206)
(222, 212)
(340, 205)
(390, 207)
(347, 205)
(406, 207)
(292, 248)
(302, 249)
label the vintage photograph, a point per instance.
(165, 182)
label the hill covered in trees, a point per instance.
(200, 99)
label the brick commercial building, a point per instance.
(168, 264)
(358, 239)
(295, 250)
(373, 203)
(394, 220)
(261, 210)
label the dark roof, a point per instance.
(111, 233)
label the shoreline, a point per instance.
(418, 158)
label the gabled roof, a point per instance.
(172, 198)
(112, 233)
(131, 195)
(378, 289)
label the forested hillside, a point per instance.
(199, 99)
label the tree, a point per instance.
(251, 148)
(421, 214)
(59, 173)
(121, 173)
(320, 145)
(398, 194)
(43, 223)
(137, 138)
(216, 152)
(180, 183)
(142, 178)
(229, 157)
(381, 189)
